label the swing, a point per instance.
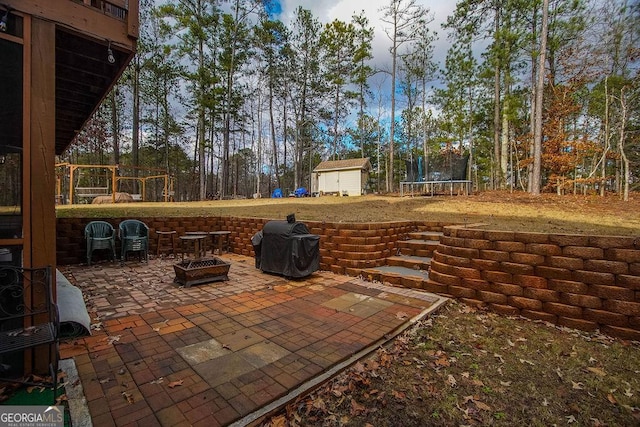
(89, 192)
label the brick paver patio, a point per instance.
(221, 353)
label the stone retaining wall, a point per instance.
(578, 281)
(345, 248)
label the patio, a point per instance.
(226, 353)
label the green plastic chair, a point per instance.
(134, 236)
(100, 235)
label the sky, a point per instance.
(328, 10)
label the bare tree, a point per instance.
(537, 132)
(404, 17)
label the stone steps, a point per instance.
(412, 262)
(410, 267)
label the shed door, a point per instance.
(350, 182)
(329, 182)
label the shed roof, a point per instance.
(332, 165)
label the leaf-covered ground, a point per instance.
(468, 367)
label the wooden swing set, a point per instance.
(79, 185)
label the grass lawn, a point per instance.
(498, 210)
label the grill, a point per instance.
(286, 248)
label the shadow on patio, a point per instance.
(226, 352)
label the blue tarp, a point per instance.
(277, 193)
(301, 192)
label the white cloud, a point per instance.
(328, 10)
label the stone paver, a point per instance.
(211, 354)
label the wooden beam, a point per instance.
(40, 232)
(133, 19)
(42, 144)
(84, 18)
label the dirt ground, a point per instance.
(468, 367)
(497, 210)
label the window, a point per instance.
(11, 165)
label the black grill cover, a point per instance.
(287, 249)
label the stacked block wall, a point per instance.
(584, 282)
(345, 248)
(578, 281)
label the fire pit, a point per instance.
(204, 270)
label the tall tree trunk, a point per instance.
(497, 153)
(390, 180)
(201, 132)
(537, 146)
(532, 114)
(607, 138)
(504, 147)
(626, 172)
(273, 135)
(336, 118)
(115, 125)
(135, 125)
(259, 155)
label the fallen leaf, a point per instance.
(279, 421)
(157, 381)
(443, 362)
(402, 315)
(545, 402)
(505, 383)
(319, 404)
(528, 362)
(482, 406)
(356, 408)
(598, 371)
(611, 398)
(465, 375)
(113, 338)
(477, 383)
(577, 386)
(571, 419)
(173, 384)
(451, 380)
(628, 393)
(499, 357)
(398, 395)
(128, 397)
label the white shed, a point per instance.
(343, 177)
